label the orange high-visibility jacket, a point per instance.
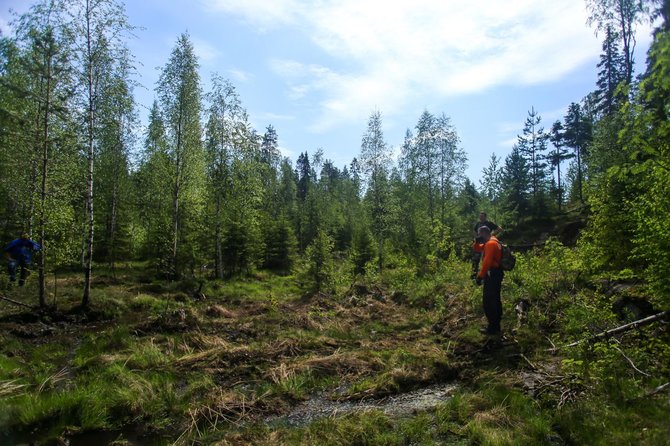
(492, 255)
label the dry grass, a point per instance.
(54, 379)
(216, 357)
(223, 407)
(345, 365)
(219, 311)
(11, 388)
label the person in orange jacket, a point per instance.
(491, 275)
(495, 230)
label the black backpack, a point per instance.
(508, 260)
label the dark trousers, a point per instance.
(13, 265)
(491, 302)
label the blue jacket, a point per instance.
(22, 249)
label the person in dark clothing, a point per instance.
(495, 229)
(19, 253)
(491, 275)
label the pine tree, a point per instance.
(577, 135)
(280, 245)
(532, 145)
(516, 177)
(619, 17)
(269, 147)
(317, 274)
(612, 73)
(469, 199)
(307, 222)
(556, 158)
(491, 183)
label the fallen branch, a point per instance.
(658, 389)
(621, 329)
(630, 361)
(16, 302)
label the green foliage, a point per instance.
(636, 422)
(362, 251)
(280, 246)
(497, 415)
(316, 273)
(179, 97)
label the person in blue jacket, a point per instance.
(19, 253)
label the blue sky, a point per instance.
(316, 69)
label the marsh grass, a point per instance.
(211, 368)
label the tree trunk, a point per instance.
(579, 175)
(89, 242)
(431, 199)
(176, 195)
(43, 189)
(112, 223)
(558, 171)
(90, 153)
(219, 249)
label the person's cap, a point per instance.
(484, 229)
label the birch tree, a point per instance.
(99, 27)
(179, 97)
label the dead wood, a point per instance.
(17, 302)
(608, 333)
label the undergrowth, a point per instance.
(210, 361)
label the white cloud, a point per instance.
(508, 143)
(550, 116)
(262, 13)
(286, 152)
(9, 11)
(409, 49)
(509, 126)
(5, 29)
(240, 75)
(205, 51)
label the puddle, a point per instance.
(401, 405)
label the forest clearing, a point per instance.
(399, 361)
(183, 278)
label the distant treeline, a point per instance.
(215, 195)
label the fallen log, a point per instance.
(17, 302)
(621, 329)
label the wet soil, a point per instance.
(396, 406)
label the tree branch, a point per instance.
(17, 302)
(621, 329)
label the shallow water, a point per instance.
(400, 405)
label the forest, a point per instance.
(194, 286)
